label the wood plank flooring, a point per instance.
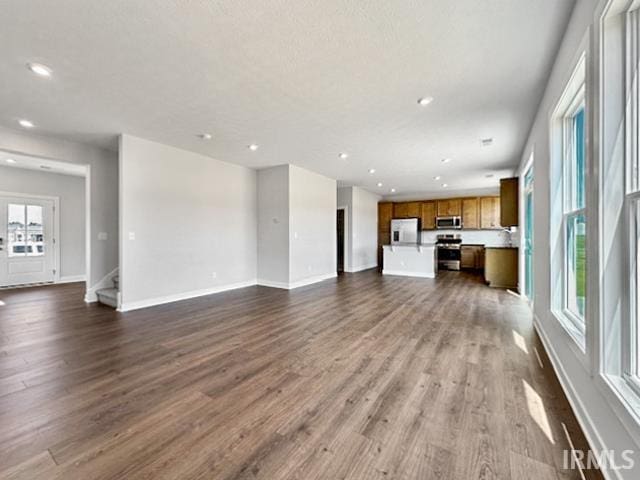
(364, 377)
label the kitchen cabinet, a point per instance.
(509, 198)
(385, 214)
(489, 212)
(472, 257)
(501, 267)
(470, 213)
(449, 207)
(428, 215)
(414, 209)
(401, 210)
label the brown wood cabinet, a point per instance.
(449, 207)
(472, 257)
(385, 214)
(428, 215)
(471, 213)
(401, 210)
(501, 267)
(489, 212)
(509, 199)
(414, 209)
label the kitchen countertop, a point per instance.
(502, 247)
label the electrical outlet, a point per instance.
(214, 275)
(102, 235)
(132, 235)
(309, 267)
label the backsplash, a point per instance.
(489, 238)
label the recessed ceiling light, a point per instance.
(25, 123)
(444, 185)
(437, 177)
(344, 156)
(424, 101)
(253, 147)
(446, 160)
(39, 69)
(379, 184)
(489, 175)
(393, 190)
(205, 136)
(10, 160)
(372, 170)
(486, 142)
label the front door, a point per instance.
(26, 241)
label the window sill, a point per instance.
(576, 333)
(625, 402)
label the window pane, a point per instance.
(16, 230)
(577, 179)
(576, 265)
(35, 232)
(528, 245)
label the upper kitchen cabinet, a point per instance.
(471, 213)
(401, 210)
(407, 210)
(509, 202)
(414, 209)
(385, 214)
(450, 207)
(428, 215)
(489, 212)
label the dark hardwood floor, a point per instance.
(364, 377)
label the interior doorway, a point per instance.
(44, 221)
(28, 251)
(340, 239)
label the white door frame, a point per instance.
(522, 202)
(56, 225)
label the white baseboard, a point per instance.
(408, 274)
(72, 279)
(106, 282)
(300, 283)
(151, 302)
(594, 439)
(361, 268)
(272, 284)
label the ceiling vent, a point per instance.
(487, 142)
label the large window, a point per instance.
(528, 232)
(568, 204)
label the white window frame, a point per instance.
(631, 205)
(571, 101)
(570, 211)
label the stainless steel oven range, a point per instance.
(449, 251)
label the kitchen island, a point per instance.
(410, 260)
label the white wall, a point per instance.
(312, 226)
(103, 188)
(191, 216)
(273, 226)
(596, 408)
(361, 231)
(71, 192)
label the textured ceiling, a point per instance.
(304, 79)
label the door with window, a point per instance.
(26, 241)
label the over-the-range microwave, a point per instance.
(445, 223)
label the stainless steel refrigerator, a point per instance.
(405, 231)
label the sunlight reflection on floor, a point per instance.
(537, 410)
